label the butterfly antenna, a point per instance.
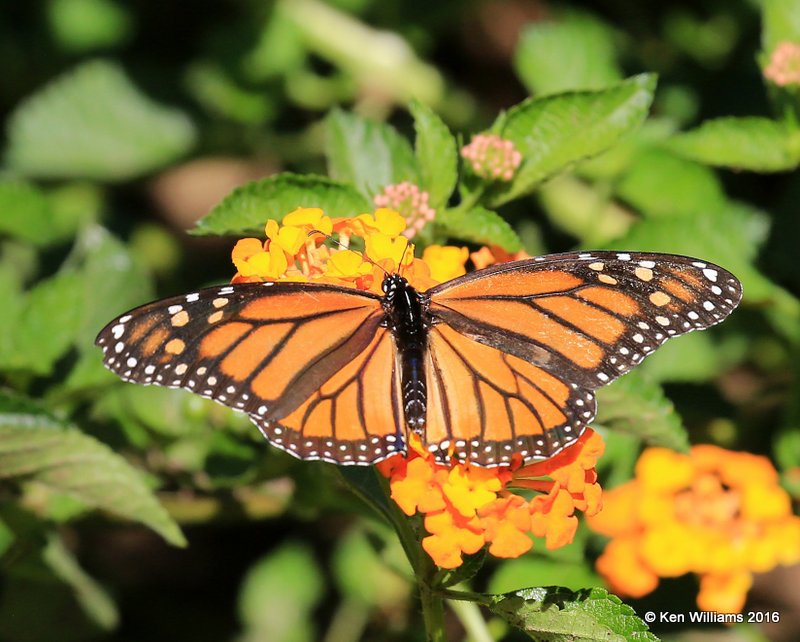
(403, 255)
(344, 247)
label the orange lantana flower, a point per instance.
(716, 513)
(467, 507)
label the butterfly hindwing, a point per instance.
(485, 406)
(261, 348)
(355, 417)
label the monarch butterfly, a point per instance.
(498, 362)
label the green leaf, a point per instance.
(577, 52)
(94, 600)
(751, 143)
(45, 325)
(363, 576)
(25, 211)
(700, 235)
(480, 226)
(437, 155)
(636, 405)
(245, 210)
(661, 184)
(558, 614)
(94, 123)
(278, 595)
(781, 22)
(555, 132)
(369, 154)
(35, 446)
(111, 282)
(693, 358)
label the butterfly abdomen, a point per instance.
(407, 317)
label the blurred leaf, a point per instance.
(381, 61)
(576, 52)
(555, 132)
(34, 445)
(583, 210)
(437, 156)
(278, 595)
(111, 282)
(94, 123)
(635, 405)
(94, 600)
(83, 25)
(781, 21)
(44, 326)
(514, 574)
(25, 211)
(480, 226)
(247, 208)
(279, 50)
(701, 235)
(229, 463)
(708, 40)
(660, 184)
(755, 144)
(220, 94)
(7, 537)
(555, 613)
(362, 576)
(366, 153)
(693, 358)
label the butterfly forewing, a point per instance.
(265, 349)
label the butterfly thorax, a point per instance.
(408, 319)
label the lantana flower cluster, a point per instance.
(717, 513)
(492, 157)
(465, 507)
(784, 64)
(292, 253)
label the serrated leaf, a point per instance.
(555, 132)
(557, 614)
(366, 153)
(576, 52)
(636, 405)
(659, 183)
(247, 208)
(479, 225)
(751, 143)
(35, 446)
(437, 156)
(93, 122)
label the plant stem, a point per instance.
(432, 603)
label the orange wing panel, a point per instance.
(482, 421)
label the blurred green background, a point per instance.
(127, 121)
